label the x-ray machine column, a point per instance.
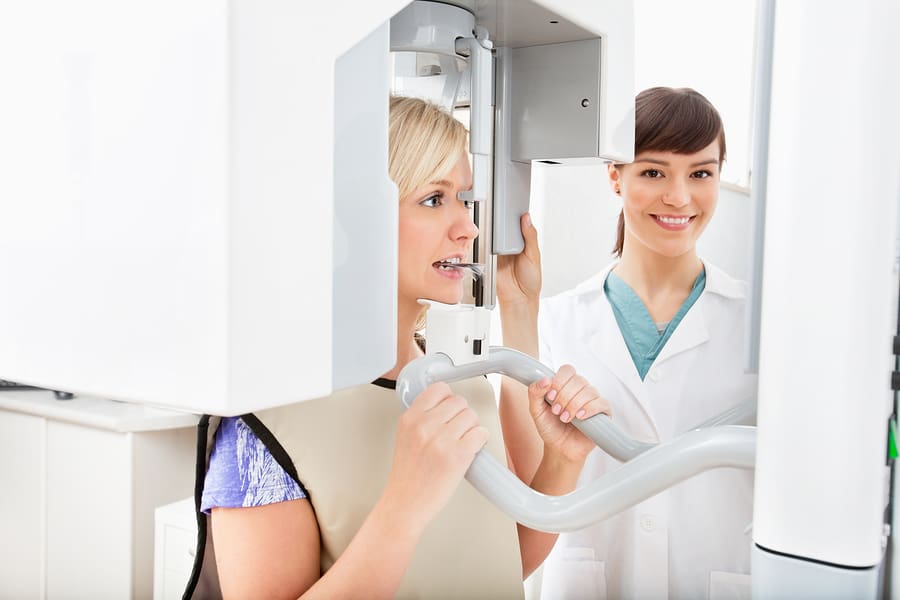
(828, 300)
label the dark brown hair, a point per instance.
(679, 120)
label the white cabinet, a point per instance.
(175, 548)
(81, 481)
(21, 513)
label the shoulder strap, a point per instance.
(274, 447)
(203, 446)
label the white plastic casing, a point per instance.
(167, 200)
(457, 330)
(829, 302)
(170, 229)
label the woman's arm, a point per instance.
(269, 551)
(273, 551)
(518, 295)
(544, 449)
(555, 476)
(564, 451)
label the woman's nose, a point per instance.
(677, 195)
(463, 225)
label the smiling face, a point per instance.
(668, 199)
(435, 228)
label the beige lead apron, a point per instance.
(342, 446)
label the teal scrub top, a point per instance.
(643, 337)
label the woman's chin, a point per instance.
(674, 251)
(445, 297)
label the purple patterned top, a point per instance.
(242, 472)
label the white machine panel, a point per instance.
(566, 99)
(194, 197)
(555, 101)
(828, 298)
(166, 199)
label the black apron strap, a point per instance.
(206, 586)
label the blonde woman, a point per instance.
(350, 497)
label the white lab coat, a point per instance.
(693, 540)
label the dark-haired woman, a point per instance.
(659, 333)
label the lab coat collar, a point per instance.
(722, 284)
(609, 347)
(717, 282)
(690, 333)
(607, 343)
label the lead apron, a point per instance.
(343, 447)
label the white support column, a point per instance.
(827, 305)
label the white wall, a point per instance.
(676, 45)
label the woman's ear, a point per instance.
(614, 178)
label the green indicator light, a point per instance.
(892, 440)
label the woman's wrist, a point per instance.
(396, 518)
(557, 473)
(518, 325)
(522, 306)
(560, 460)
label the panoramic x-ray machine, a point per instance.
(542, 101)
(198, 215)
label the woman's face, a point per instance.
(435, 228)
(668, 199)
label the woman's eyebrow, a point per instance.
(445, 183)
(656, 161)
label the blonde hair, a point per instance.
(425, 143)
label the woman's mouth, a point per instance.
(454, 265)
(450, 268)
(673, 223)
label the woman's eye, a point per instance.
(652, 173)
(432, 201)
(701, 174)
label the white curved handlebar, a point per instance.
(421, 373)
(649, 468)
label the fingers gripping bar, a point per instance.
(421, 373)
(648, 469)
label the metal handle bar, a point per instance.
(651, 468)
(650, 473)
(421, 373)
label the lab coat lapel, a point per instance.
(608, 345)
(690, 333)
